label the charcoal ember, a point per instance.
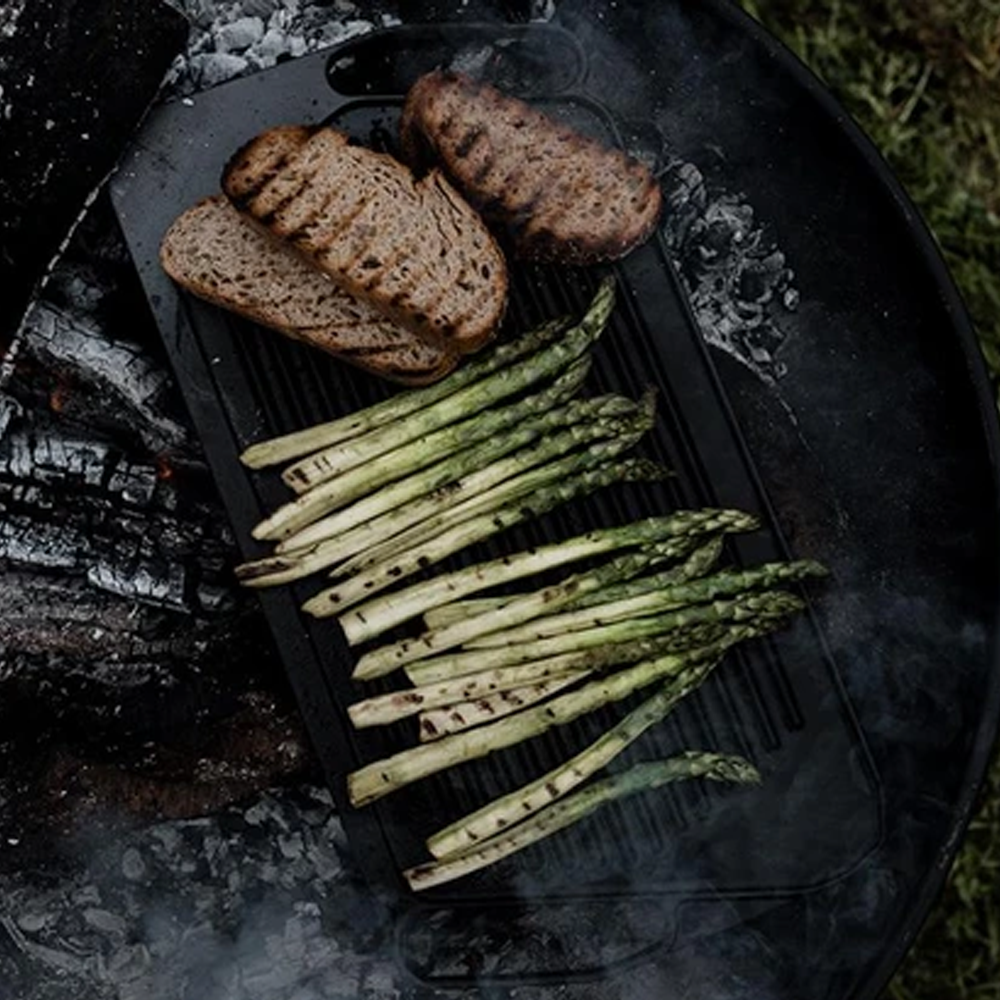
(69, 624)
(212, 906)
(42, 453)
(131, 522)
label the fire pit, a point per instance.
(146, 856)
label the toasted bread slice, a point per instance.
(221, 256)
(416, 251)
(555, 194)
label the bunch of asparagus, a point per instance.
(486, 674)
(398, 487)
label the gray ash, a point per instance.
(253, 902)
(231, 39)
(737, 280)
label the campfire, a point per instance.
(167, 828)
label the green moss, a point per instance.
(922, 77)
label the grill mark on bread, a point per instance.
(297, 172)
(253, 165)
(555, 193)
(464, 146)
(320, 222)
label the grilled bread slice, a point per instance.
(220, 256)
(556, 194)
(415, 250)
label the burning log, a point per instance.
(82, 506)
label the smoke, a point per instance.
(255, 902)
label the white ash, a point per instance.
(256, 902)
(737, 280)
(10, 408)
(542, 10)
(10, 13)
(239, 35)
(231, 39)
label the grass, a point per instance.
(923, 78)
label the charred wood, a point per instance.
(124, 387)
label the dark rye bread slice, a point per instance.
(221, 256)
(555, 194)
(415, 250)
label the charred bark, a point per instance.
(133, 673)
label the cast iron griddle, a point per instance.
(871, 454)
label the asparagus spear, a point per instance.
(433, 723)
(312, 439)
(384, 776)
(698, 562)
(384, 709)
(456, 611)
(501, 429)
(511, 486)
(474, 398)
(700, 559)
(377, 615)
(639, 778)
(524, 609)
(573, 662)
(475, 529)
(588, 421)
(770, 604)
(437, 722)
(679, 595)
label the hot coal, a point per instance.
(71, 347)
(84, 507)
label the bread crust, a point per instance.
(552, 193)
